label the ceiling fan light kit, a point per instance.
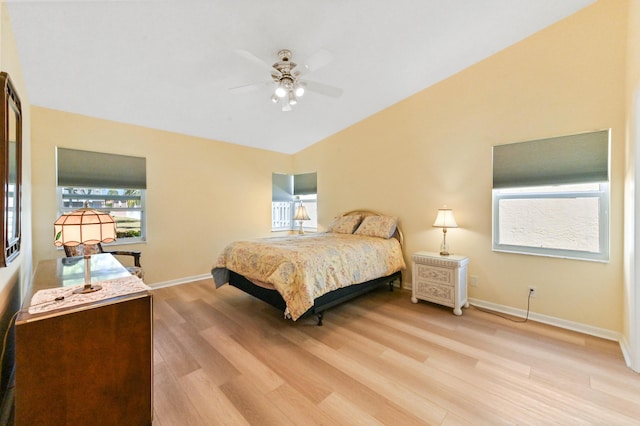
(288, 86)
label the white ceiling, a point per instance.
(169, 64)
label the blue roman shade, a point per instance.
(281, 187)
(305, 184)
(88, 169)
(286, 187)
(580, 158)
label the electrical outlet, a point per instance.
(474, 281)
(532, 291)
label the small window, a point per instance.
(287, 192)
(551, 197)
(112, 183)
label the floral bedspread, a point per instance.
(304, 267)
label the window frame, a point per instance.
(602, 193)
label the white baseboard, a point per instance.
(561, 323)
(626, 352)
(557, 322)
(180, 281)
(546, 319)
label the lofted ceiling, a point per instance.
(169, 65)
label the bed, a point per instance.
(304, 275)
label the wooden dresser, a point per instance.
(87, 364)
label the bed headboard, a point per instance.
(397, 235)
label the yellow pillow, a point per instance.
(345, 224)
(378, 226)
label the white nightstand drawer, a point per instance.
(442, 294)
(434, 274)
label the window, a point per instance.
(125, 205)
(107, 182)
(551, 197)
(287, 191)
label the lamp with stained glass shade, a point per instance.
(85, 226)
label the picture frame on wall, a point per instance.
(10, 170)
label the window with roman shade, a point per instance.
(288, 189)
(551, 196)
(107, 182)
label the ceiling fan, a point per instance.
(285, 78)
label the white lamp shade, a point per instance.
(301, 213)
(84, 226)
(445, 219)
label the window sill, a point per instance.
(553, 255)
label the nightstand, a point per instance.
(440, 279)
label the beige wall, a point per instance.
(201, 194)
(435, 148)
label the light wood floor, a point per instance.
(222, 357)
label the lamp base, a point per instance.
(444, 247)
(88, 288)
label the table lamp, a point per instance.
(301, 215)
(445, 220)
(84, 226)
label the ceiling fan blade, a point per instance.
(247, 88)
(253, 58)
(318, 60)
(323, 89)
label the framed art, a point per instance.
(10, 170)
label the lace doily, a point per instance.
(63, 297)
